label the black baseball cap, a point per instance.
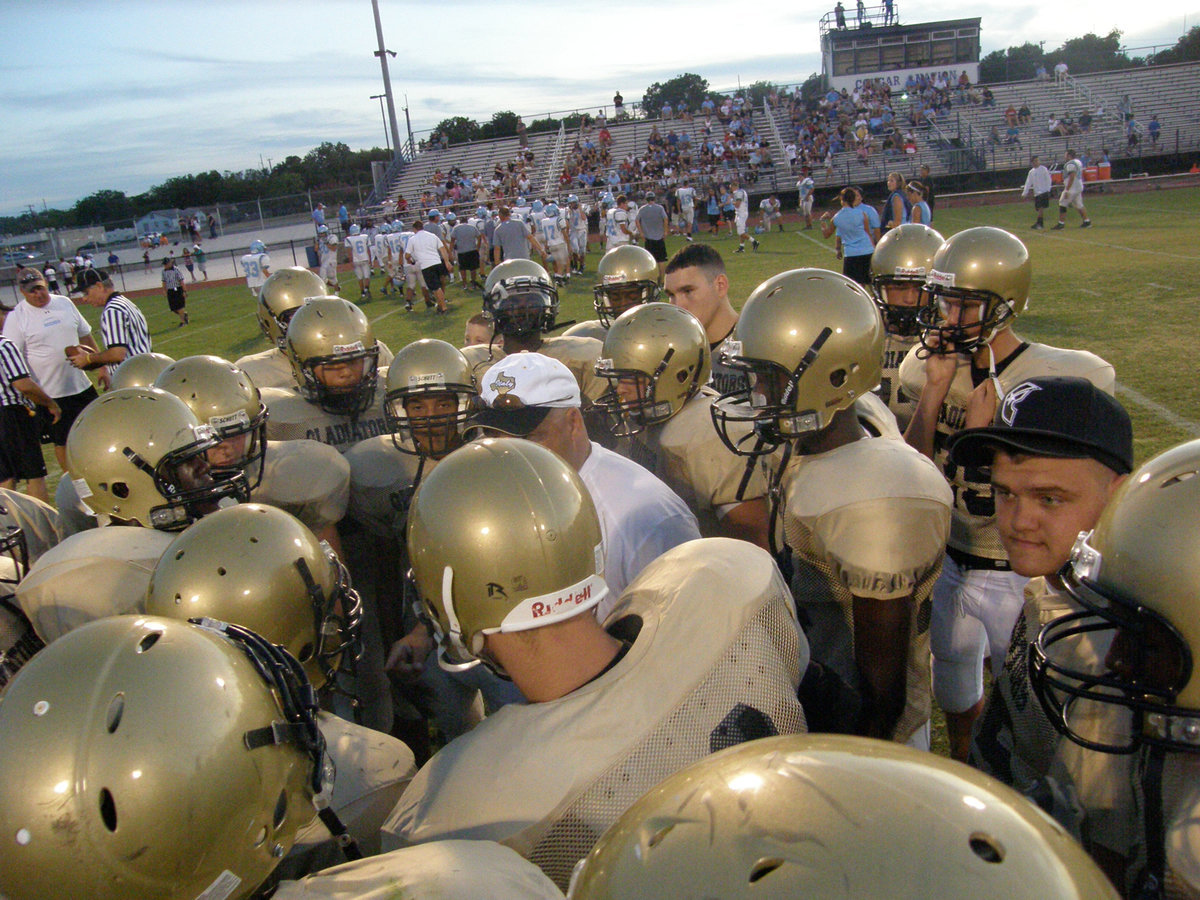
(88, 277)
(1059, 416)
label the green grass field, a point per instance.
(1127, 289)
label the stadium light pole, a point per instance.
(383, 53)
(383, 116)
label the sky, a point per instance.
(124, 94)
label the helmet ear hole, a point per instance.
(986, 848)
(108, 809)
(305, 653)
(838, 377)
(120, 489)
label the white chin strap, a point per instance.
(995, 379)
(452, 641)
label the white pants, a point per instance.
(974, 611)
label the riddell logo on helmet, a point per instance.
(613, 279)
(356, 347)
(940, 279)
(909, 272)
(570, 598)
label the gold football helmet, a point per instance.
(223, 396)
(657, 355)
(281, 295)
(591, 328)
(261, 568)
(332, 333)
(141, 453)
(152, 758)
(628, 276)
(1137, 573)
(435, 371)
(983, 265)
(139, 371)
(901, 261)
(834, 816)
(525, 552)
(811, 342)
(521, 298)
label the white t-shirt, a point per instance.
(42, 334)
(640, 517)
(425, 248)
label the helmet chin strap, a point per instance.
(992, 376)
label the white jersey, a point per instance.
(360, 247)
(577, 219)
(741, 203)
(869, 519)
(255, 267)
(805, 187)
(395, 242)
(1072, 171)
(91, 575)
(687, 198)
(290, 418)
(441, 870)
(715, 660)
(769, 208)
(306, 478)
(614, 235)
(379, 246)
(550, 229)
(329, 250)
(973, 524)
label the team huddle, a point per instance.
(657, 606)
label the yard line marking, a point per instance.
(1167, 415)
(1161, 287)
(1089, 292)
(821, 244)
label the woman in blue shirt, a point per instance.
(921, 213)
(854, 245)
(896, 209)
(713, 210)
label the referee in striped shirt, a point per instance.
(20, 437)
(122, 324)
(172, 280)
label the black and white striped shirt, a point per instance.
(123, 325)
(12, 368)
(172, 279)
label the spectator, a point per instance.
(51, 276)
(146, 260)
(44, 328)
(1125, 108)
(1040, 74)
(1154, 129)
(172, 281)
(188, 263)
(212, 226)
(114, 261)
(201, 260)
(618, 106)
(989, 99)
(853, 242)
(1085, 122)
(1010, 115)
(839, 15)
(1060, 72)
(318, 215)
(862, 13)
(1024, 114)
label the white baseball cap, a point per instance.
(520, 390)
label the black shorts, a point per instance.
(433, 277)
(713, 218)
(469, 261)
(728, 214)
(657, 248)
(56, 432)
(858, 268)
(1041, 201)
(20, 444)
(176, 299)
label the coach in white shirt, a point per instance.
(1037, 184)
(536, 397)
(428, 253)
(43, 326)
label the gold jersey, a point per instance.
(973, 524)
(890, 390)
(687, 453)
(869, 519)
(306, 478)
(292, 418)
(381, 485)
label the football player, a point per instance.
(968, 359)
(696, 281)
(1136, 579)
(103, 715)
(551, 228)
(327, 253)
(618, 224)
(28, 528)
(307, 478)
(1057, 451)
(657, 363)
(741, 215)
(256, 265)
(865, 516)
(833, 816)
(523, 303)
(360, 257)
(805, 188)
(281, 295)
(901, 261)
(708, 625)
(627, 276)
(138, 458)
(577, 232)
(337, 397)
